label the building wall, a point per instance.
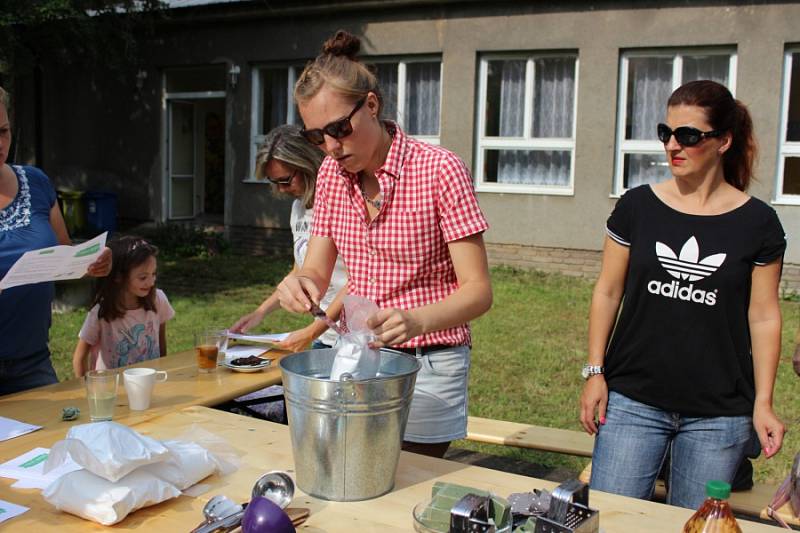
(119, 133)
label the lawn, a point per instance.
(527, 354)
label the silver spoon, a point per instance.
(275, 486)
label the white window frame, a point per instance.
(256, 137)
(402, 63)
(527, 142)
(637, 146)
(786, 148)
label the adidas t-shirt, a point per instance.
(682, 339)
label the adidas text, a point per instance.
(673, 289)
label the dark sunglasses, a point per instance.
(685, 135)
(282, 181)
(336, 129)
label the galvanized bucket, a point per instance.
(346, 435)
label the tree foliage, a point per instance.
(72, 32)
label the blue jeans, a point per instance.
(633, 443)
(35, 370)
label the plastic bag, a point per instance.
(107, 449)
(353, 354)
(94, 498)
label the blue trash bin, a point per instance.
(101, 211)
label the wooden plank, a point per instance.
(266, 446)
(529, 436)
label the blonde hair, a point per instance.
(5, 99)
(337, 67)
(285, 144)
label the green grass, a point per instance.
(527, 350)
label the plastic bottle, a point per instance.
(715, 515)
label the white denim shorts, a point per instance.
(439, 405)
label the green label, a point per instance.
(34, 461)
(88, 251)
(2, 510)
(45, 252)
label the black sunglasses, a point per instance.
(282, 181)
(336, 129)
(685, 135)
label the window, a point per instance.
(788, 182)
(526, 123)
(273, 103)
(647, 79)
(412, 89)
(411, 94)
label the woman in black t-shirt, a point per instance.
(690, 368)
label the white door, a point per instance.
(181, 134)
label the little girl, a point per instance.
(127, 323)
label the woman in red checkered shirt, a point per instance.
(403, 215)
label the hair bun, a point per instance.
(343, 43)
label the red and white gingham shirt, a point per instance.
(400, 259)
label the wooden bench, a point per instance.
(749, 502)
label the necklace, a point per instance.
(376, 203)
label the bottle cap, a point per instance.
(718, 489)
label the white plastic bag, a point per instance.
(107, 449)
(94, 498)
(353, 354)
(188, 464)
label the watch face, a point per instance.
(585, 372)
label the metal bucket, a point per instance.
(346, 435)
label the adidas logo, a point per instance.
(686, 266)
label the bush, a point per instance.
(183, 240)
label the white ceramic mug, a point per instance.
(139, 386)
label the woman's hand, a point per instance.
(299, 340)
(248, 321)
(102, 267)
(393, 326)
(296, 293)
(769, 428)
(594, 396)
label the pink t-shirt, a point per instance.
(127, 340)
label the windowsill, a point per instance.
(786, 200)
(524, 189)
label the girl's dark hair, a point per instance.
(127, 253)
(724, 113)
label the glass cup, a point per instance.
(101, 390)
(209, 345)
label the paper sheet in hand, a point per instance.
(54, 263)
(234, 352)
(28, 468)
(10, 510)
(267, 338)
(10, 428)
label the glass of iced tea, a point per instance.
(207, 346)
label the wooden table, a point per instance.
(184, 387)
(266, 446)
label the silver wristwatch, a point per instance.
(591, 370)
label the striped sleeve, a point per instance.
(773, 244)
(618, 225)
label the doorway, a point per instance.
(196, 162)
(194, 144)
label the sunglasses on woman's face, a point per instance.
(685, 135)
(336, 129)
(282, 181)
